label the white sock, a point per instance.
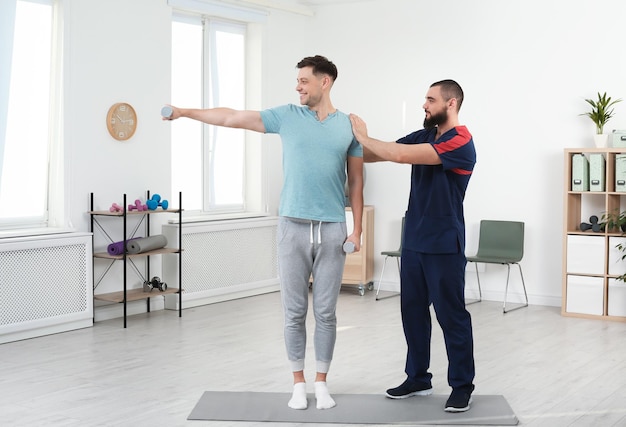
(324, 400)
(298, 398)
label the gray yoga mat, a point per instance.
(351, 409)
(146, 244)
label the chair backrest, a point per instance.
(401, 236)
(501, 239)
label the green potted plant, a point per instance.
(616, 222)
(601, 112)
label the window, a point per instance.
(208, 70)
(24, 113)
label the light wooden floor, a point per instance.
(553, 371)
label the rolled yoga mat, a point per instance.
(117, 248)
(146, 244)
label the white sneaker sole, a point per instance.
(415, 393)
(453, 409)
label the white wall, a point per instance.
(526, 68)
(119, 50)
(116, 51)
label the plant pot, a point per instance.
(601, 140)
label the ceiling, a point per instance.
(323, 2)
(305, 7)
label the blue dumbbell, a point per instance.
(348, 247)
(167, 111)
(155, 201)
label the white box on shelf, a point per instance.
(585, 254)
(585, 295)
(617, 266)
(597, 166)
(617, 298)
(618, 138)
(580, 173)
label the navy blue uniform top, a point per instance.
(435, 221)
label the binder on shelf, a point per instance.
(580, 173)
(597, 165)
(620, 173)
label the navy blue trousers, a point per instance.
(438, 279)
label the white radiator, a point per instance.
(222, 260)
(45, 285)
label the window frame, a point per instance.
(209, 137)
(52, 217)
(254, 179)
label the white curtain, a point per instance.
(58, 182)
(7, 24)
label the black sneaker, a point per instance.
(459, 400)
(408, 389)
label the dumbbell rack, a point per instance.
(135, 294)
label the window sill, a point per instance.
(219, 217)
(33, 232)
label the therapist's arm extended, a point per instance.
(376, 150)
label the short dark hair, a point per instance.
(450, 89)
(320, 65)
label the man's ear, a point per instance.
(452, 103)
(326, 81)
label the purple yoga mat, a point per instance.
(117, 248)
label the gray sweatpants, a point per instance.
(308, 248)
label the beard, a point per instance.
(435, 119)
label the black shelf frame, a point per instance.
(125, 258)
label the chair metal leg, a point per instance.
(504, 310)
(381, 278)
(480, 293)
(398, 264)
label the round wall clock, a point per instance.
(121, 121)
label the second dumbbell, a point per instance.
(154, 283)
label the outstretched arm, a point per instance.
(375, 150)
(227, 117)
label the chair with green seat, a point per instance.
(500, 242)
(394, 254)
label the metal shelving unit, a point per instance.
(127, 295)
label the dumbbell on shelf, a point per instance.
(593, 225)
(155, 202)
(154, 283)
(116, 208)
(137, 206)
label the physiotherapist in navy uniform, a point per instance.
(442, 156)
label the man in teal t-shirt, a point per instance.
(318, 149)
(314, 161)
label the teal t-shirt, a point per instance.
(314, 161)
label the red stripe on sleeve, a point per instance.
(461, 171)
(455, 142)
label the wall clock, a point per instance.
(121, 121)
